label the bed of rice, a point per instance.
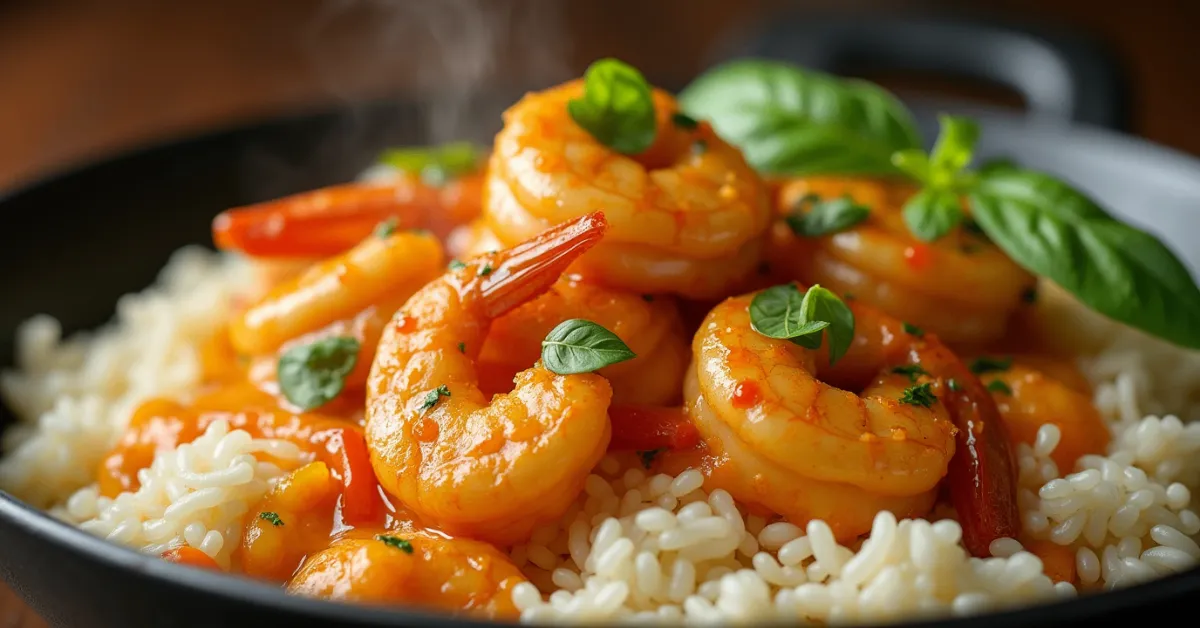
(635, 546)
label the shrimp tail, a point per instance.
(982, 474)
(530, 268)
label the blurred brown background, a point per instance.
(82, 79)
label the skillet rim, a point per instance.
(126, 562)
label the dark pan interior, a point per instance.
(71, 245)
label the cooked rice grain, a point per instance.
(76, 395)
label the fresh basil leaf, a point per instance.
(778, 312)
(581, 346)
(824, 305)
(616, 108)
(932, 213)
(436, 165)
(824, 217)
(954, 148)
(788, 120)
(997, 164)
(783, 312)
(312, 375)
(1055, 231)
(912, 162)
(684, 121)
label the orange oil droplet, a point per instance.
(746, 394)
(405, 323)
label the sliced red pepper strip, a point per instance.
(188, 555)
(646, 428)
(982, 474)
(360, 493)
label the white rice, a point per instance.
(77, 395)
(197, 494)
(632, 547)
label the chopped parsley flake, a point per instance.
(385, 228)
(649, 456)
(462, 347)
(998, 386)
(486, 270)
(396, 542)
(953, 385)
(913, 330)
(433, 396)
(684, 121)
(918, 395)
(271, 517)
(913, 371)
(457, 265)
(985, 364)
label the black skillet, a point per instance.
(74, 243)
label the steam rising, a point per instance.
(455, 64)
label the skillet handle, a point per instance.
(1062, 76)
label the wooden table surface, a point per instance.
(85, 78)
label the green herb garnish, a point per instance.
(919, 395)
(649, 456)
(311, 375)
(986, 364)
(1029, 295)
(616, 108)
(396, 542)
(913, 371)
(913, 330)
(953, 385)
(271, 517)
(813, 217)
(648, 298)
(684, 121)
(486, 270)
(432, 397)
(436, 165)
(783, 312)
(462, 347)
(796, 121)
(456, 265)
(581, 346)
(385, 228)
(998, 386)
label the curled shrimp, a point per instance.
(651, 328)
(1036, 390)
(961, 286)
(412, 567)
(687, 216)
(378, 273)
(494, 469)
(807, 449)
(317, 224)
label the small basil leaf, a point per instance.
(932, 213)
(1055, 231)
(311, 375)
(778, 312)
(912, 162)
(788, 120)
(435, 164)
(581, 346)
(823, 305)
(616, 108)
(954, 148)
(826, 217)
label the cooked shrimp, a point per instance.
(291, 522)
(961, 287)
(1034, 391)
(687, 216)
(413, 567)
(380, 272)
(651, 328)
(329, 221)
(487, 469)
(806, 449)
